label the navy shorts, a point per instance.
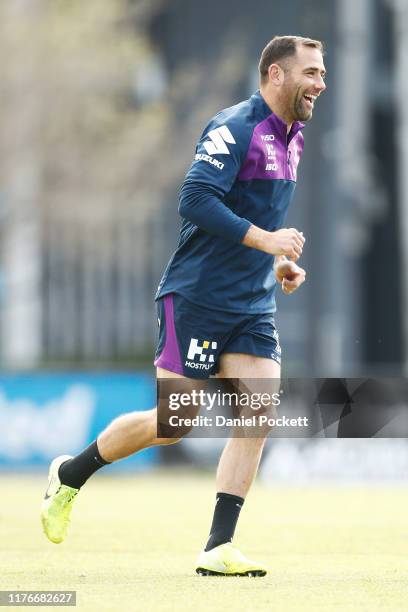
(192, 338)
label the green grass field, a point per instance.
(133, 542)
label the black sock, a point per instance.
(76, 471)
(226, 513)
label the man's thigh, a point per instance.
(240, 365)
(171, 387)
(254, 377)
(162, 373)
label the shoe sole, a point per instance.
(201, 571)
(55, 540)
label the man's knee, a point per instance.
(170, 434)
(178, 403)
(164, 434)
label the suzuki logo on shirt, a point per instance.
(218, 137)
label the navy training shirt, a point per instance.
(243, 174)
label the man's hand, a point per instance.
(287, 242)
(289, 275)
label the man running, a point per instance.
(216, 299)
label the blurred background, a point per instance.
(101, 106)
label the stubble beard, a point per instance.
(300, 112)
(293, 101)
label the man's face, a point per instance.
(303, 82)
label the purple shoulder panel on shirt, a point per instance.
(269, 154)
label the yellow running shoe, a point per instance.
(57, 504)
(226, 560)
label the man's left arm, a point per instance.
(288, 274)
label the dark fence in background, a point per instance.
(98, 290)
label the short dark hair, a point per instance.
(281, 48)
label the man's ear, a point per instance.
(276, 74)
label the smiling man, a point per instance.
(216, 300)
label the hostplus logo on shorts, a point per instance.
(200, 357)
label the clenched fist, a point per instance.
(287, 242)
(289, 274)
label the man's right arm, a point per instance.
(287, 242)
(200, 205)
(219, 156)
